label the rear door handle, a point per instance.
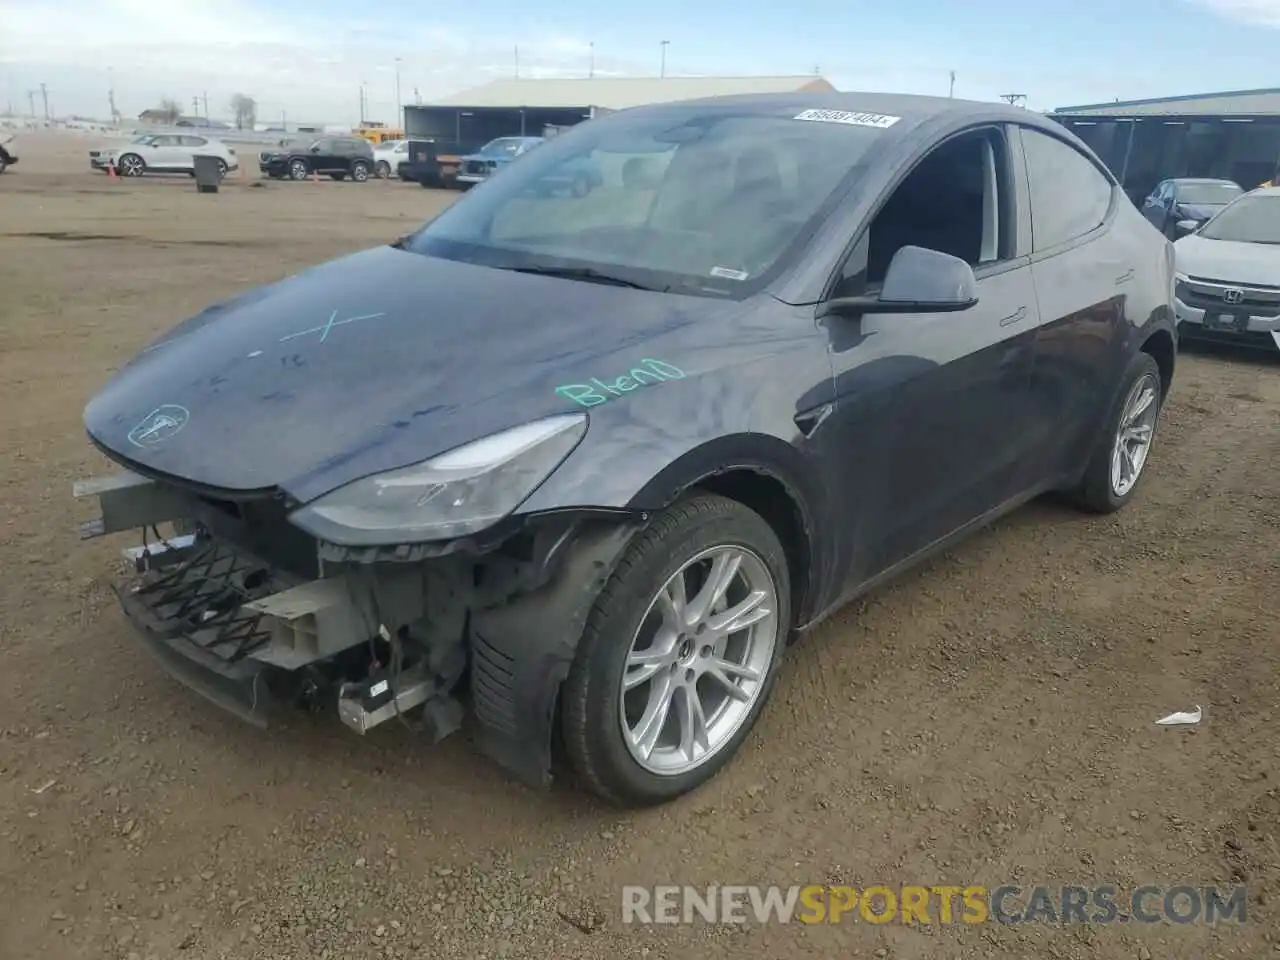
(1124, 277)
(1016, 317)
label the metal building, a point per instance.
(1233, 135)
(537, 107)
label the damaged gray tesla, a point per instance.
(578, 468)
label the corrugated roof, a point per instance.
(1235, 103)
(618, 93)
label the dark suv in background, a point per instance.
(339, 157)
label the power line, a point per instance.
(1013, 98)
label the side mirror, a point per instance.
(315, 149)
(918, 281)
(1184, 227)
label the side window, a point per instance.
(1069, 195)
(194, 141)
(323, 147)
(956, 200)
(164, 141)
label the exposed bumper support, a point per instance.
(129, 501)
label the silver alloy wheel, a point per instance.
(704, 648)
(359, 173)
(130, 165)
(383, 170)
(1134, 434)
(298, 170)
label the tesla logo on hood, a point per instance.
(159, 425)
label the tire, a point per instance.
(581, 185)
(1099, 492)
(595, 707)
(359, 171)
(382, 170)
(298, 170)
(131, 165)
(222, 169)
(4, 164)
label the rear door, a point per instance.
(191, 146)
(1083, 271)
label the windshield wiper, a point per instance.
(589, 274)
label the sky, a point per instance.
(307, 59)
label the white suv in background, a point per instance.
(163, 153)
(387, 157)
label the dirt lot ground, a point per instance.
(985, 720)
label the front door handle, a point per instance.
(1016, 317)
(1124, 277)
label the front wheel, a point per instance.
(359, 171)
(679, 652)
(1118, 460)
(298, 170)
(131, 165)
(382, 170)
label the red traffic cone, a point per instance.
(111, 170)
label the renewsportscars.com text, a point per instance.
(940, 904)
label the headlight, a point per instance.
(458, 493)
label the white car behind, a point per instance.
(388, 156)
(163, 153)
(1228, 273)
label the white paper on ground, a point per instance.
(1183, 718)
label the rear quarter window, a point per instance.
(1070, 196)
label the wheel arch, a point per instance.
(766, 475)
(1160, 346)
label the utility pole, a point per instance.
(205, 98)
(1013, 98)
(951, 91)
(44, 95)
(591, 70)
(31, 101)
(111, 95)
(517, 61)
(399, 102)
(662, 70)
(363, 97)
(195, 106)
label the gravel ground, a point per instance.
(986, 719)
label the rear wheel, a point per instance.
(131, 165)
(359, 171)
(1117, 462)
(679, 652)
(298, 170)
(222, 169)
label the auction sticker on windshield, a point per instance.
(878, 120)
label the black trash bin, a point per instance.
(208, 173)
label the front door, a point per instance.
(931, 407)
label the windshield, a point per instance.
(1207, 192)
(1248, 220)
(503, 146)
(707, 201)
(145, 138)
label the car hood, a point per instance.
(1199, 211)
(493, 157)
(371, 362)
(1228, 261)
